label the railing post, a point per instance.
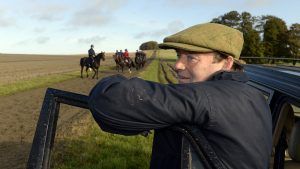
(43, 140)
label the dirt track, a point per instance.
(19, 114)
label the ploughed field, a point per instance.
(14, 67)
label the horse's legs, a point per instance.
(97, 72)
(129, 68)
(87, 72)
(94, 69)
(81, 71)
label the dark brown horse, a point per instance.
(121, 62)
(93, 64)
(140, 60)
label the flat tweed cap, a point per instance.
(207, 37)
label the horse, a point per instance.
(94, 65)
(117, 60)
(140, 60)
(121, 62)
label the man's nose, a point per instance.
(180, 64)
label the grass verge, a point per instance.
(168, 55)
(151, 71)
(100, 150)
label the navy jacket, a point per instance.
(234, 117)
(91, 52)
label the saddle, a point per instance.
(90, 61)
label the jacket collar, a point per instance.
(225, 75)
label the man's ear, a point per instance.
(228, 63)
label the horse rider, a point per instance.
(137, 53)
(126, 56)
(92, 54)
(121, 54)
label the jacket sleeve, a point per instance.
(130, 106)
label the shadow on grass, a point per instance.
(101, 155)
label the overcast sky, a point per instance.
(71, 26)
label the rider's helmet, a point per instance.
(92, 45)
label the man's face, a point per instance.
(196, 67)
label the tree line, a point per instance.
(264, 36)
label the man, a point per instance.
(137, 53)
(116, 53)
(92, 54)
(126, 56)
(212, 94)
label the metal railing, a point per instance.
(39, 157)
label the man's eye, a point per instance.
(191, 57)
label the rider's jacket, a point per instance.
(234, 117)
(126, 54)
(91, 52)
